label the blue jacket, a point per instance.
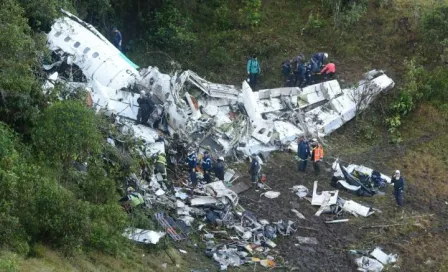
(219, 170)
(398, 183)
(318, 57)
(253, 67)
(117, 39)
(192, 161)
(286, 68)
(206, 163)
(254, 167)
(304, 150)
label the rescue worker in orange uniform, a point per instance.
(317, 154)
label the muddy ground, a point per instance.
(405, 231)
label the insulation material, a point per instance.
(143, 236)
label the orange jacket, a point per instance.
(318, 153)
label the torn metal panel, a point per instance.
(318, 199)
(353, 207)
(218, 189)
(250, 103)
(92, 52)
(367, 264)
(211, 89)
(262, 131)
(384, 258)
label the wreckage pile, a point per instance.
(240, 237)
(223, 119)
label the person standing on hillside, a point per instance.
(254, 169)
(220, 169)
(286, 71)
(206, 166)
(303, 153)
(253, 70)
(192, 161)
(117, 38)
(317, 154)
(398, 182)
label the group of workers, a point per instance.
(298, 72)
(207, 167)
(311, 149)
(315, 150)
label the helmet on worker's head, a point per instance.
(142, 92)
(314, 140)
(221, 158)
(326, 55)
(130, 189)
(397, 172)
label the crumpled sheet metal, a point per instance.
(143, 236)
(366, 264)
(318, 199)
(92, 52)
(326, 107)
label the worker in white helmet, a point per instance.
(220, 168)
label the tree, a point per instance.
(67, 131)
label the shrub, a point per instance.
(67, 131)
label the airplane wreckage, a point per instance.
(224, 119)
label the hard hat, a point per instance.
(397, 172)
(142, 92)
(221, 159)
(131, 189)
(314, 140)
(326, 55)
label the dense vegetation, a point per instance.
(45, 200)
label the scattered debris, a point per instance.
(271, 194)
(299, 215)
(375, 264)
(368, 264)
(358, 179)
(357, 209)
(143, 236)
(300, 190)
(307, 240)
(223, 119)
(337, 221)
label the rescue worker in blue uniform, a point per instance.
(303, 153)
(254, 169)
(206, 166)
(192, 161)
(398, 182)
